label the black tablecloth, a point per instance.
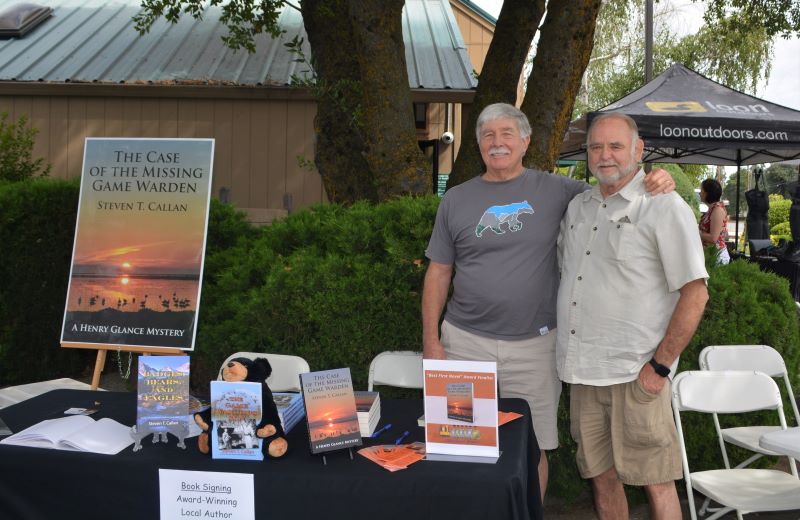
(41, 483)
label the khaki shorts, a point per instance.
(525, 369)
(627, 428)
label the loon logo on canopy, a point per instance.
(675, 106)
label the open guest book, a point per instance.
(75, 433)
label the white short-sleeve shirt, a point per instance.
(623, 260)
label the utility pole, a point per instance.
(648, 52)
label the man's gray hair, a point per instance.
(632, 126)
(503, 111)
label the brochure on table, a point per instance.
(460, 410)
(137, 259)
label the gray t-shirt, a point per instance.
(501, 239)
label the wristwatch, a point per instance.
(659, 368)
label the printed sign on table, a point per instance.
(137, 260)
(460, 409)
(206, 494)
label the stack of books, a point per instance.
(290, 408)
(368, 406)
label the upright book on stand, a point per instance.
(235, 412)
(330, 410)
(162, 398)
(460, 410)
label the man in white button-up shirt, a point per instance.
(631, 295)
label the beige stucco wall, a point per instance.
(256, 148)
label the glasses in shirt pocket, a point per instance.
(620, 238)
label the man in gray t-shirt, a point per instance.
(498, 232)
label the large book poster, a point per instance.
(235, 414)
(137, 260)
(330, 410)
(163, 395)
(460, 409)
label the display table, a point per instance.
(15, 394)
(785, 442)
(43, 484)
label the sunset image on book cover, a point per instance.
(330, 410)
(459, 402)
(137, 259)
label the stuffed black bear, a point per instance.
(270, 429)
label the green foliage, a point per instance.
(781, 231)
(729, 193)
(683, 186)
(746, 307)
(37, 226)
(37, 223)
(777, 178)
(726, 49)
(776, 17)
(778, 210)
(695, 173)
(16, 150)
(244, 19)
(782, 228)
(332, 284)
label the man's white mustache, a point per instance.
(499, 150)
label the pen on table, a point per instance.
(401, 438)
(385, 428)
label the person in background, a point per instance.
(714, 222)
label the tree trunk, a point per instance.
(344, 170)
(516, 26)
(366, 139)
(394, 157)
(562, 55)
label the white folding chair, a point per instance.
(748, 357)
(401, 368)
(743, 489)
(286, 369)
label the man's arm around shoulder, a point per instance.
(434, 296)
(682, 324)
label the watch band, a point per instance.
(659, 368)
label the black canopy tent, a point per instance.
(684, 117)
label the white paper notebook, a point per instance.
(75, 433)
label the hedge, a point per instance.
(37, 223)
(335, 285)
(778, 210)
(37, 226)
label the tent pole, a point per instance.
(738, 183)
